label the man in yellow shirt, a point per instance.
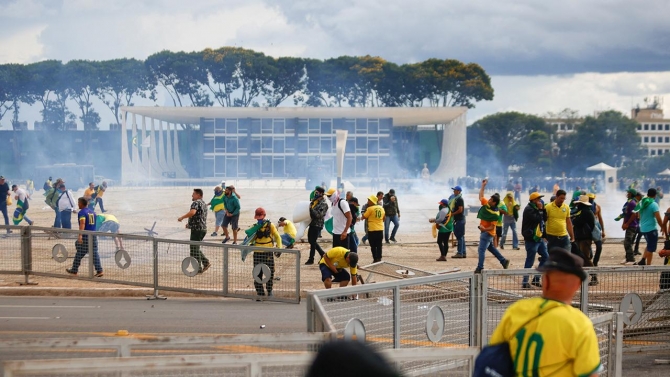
(288, 238)
(559, 225)
(546, 335)
(375, 216)
(265, 235)
(333, 264)
(109, 223)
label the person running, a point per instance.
(445, 225)
(4, 197)
(630, 225)
(89, 195)
(51, 199)
(22, 204)
(546, 335)
(392, 213)
(288, 238)
(109, 223)
(87, 220)
(648, 212)
(532, 231)
(559, 226)
(217, 206)
(317, 211)
(266, 236)
(509, 221)
(333, 264)
(99, 192)
(231, 205)
(374, 214)
(457, 207)
(488, 215)
(197, 223)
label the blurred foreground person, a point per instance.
(545, 335)
(361, 361)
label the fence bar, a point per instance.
(396, 317)
(618, 357)
(584, 296)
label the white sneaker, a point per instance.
(627, 263)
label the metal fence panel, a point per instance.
(11, 244)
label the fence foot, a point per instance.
(156, 296)
(27, 281)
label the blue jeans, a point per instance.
(533, 248)
(82, 250)
(562, 242)
(57, 220)
(515, 238)
(387, 222)
(3, 209)
(486, 243)
(66, 219)
(459, 233)
(286, 240)
(353, 242)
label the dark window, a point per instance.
(646, 139)
(667, 139)
(639, 127)
(660, 152)
(653, 152)
(667, 127)
(646, 127)
(653, 127)
(653, 139)
(231, 145)
(278, 126)
(326, 127)
(219, 144)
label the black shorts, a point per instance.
(341, 275)
(498, 231)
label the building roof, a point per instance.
(402, 116)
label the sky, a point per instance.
(543, 56)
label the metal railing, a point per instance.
(161, 264)
(410, 362)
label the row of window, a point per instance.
(279, 126)
(563, 127)
(288, 166)
(654, 139)
(654, 152)
(652, 127)
(291, 144)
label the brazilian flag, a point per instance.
(17, 217)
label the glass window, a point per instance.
(373, 167)
(219, 165)
(289, 127)
(266, 144)
(278, 167)
(242, 126)
(266, 164)
(314, 126)
(361, 144)
(326, 126)
(208, 166)
(385, 126)
(639, 127)
(242, 144)
(314, 145)
(350, 166)
(361, 126)
(373, 127)
(646, 127)
(219, 126)
(653, 152)
(219, 144)
(646, 139)
(302, 126)
(569, 126)
(653, 127)
(289, 144)
(231, 166)
(361, 165)
(278, 145)
(660, 152)
(350, 126)
(231, 126)
(207, 126)
(384, 144)
(351, 145)
(255, 145)
(653, 139)
(326, 145)
(255, 126)
(278, 126)
(373, 145)
(667, 127)
(667, 139)
(302, 145)
(208, 146)
(231, 145)
(266, 126)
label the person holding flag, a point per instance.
(532, 231)
(22, 205)
(488, 215)
(443, 224)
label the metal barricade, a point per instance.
(11, 244)
(609, 330)
(424, 312)
(410, 362)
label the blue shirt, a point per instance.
(4, 189)
(89, 217)
(647, 218)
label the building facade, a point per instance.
(654, 130)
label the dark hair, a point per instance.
(320, 189)
(496, 197)
(651, 192)
(14, 186)
(561, 192)
(198, 191)
(83, 201)
(282, 219)
(379, 193)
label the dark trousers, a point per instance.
(459, 232)
(312, 237)
(337, 241)
(353, 242)
(268, 259)
(198, 235)
(599, 250)
(57, 220)
(562, 242)
(443, 242)
(585, 252)
(82, 250)
(376, 237)
(99, 201)
(628, 241)
(3, 209)
(66, 219)
(637, 241)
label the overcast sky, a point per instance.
(589, 55)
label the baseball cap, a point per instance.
(373, 198)
(330, 191)
(535, 195)
(457, 188)
(353, 199)
(259, 214)
(591, 195)
(353, 259)
(444, 202)
(561, 260)
(319, 189)
(392, 191)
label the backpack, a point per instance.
(264, 230)
(49, 197)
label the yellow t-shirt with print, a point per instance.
(289, 229)
(375, 216)
(336, 255)
(561, 342)
(556, 219)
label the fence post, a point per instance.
(26, 255)
(311, 322)
(226, 265)
(396, 317)
(155, 296)
(584, 296)
(474, 309)
(91, 267)
(297, 276)
(619, 344)
(483, 309)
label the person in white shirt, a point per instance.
(341, 219)
(66, 206)
(22, 206)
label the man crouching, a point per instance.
(333, 264)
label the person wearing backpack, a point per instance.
(265, 236)
(341, 218)
(66, 205)
(583, 222)
(445, 226)
(51, 199)
(545, 336)
(532, 231)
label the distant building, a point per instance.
(653, 128)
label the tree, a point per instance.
(451, 83)
(120, 81)
(14, 84)
(609, 138)
(287, 79)
(181, 74)
(331, 82)
(222, 67)
(512, 138)
(83, 81)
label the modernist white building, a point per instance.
(280, 142)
